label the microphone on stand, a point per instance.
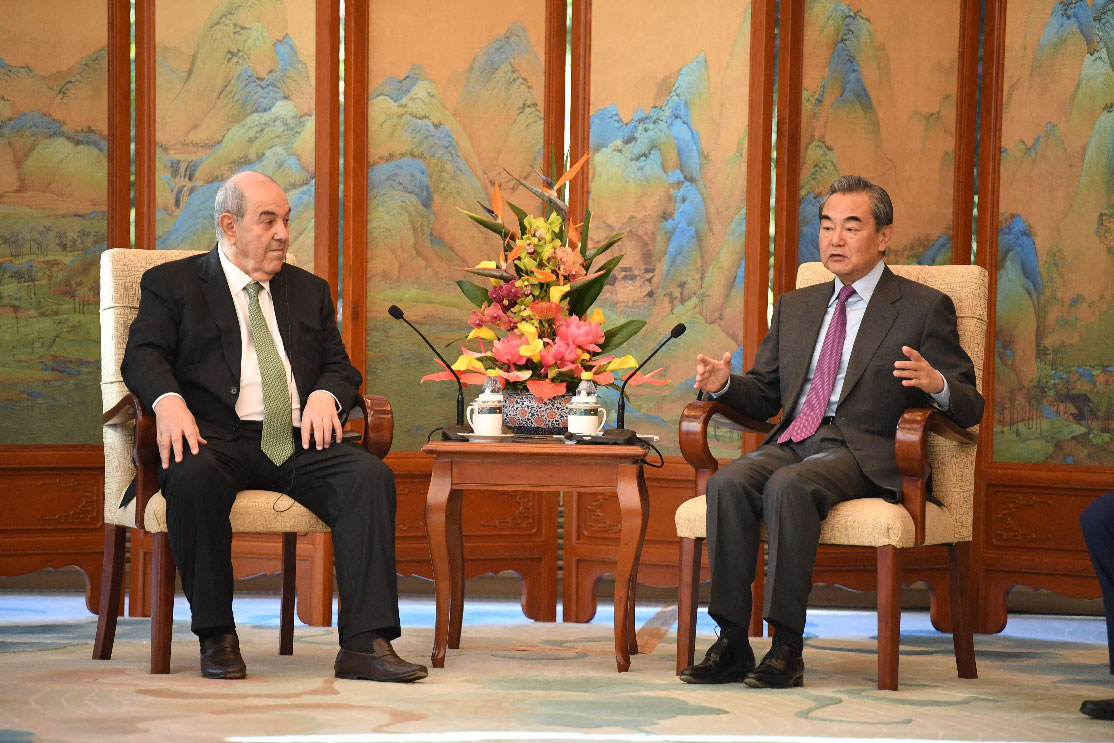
(620, 434)
(452, 431)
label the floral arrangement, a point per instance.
(535, 322)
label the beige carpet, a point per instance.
(536, 682)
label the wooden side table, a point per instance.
(542, 466)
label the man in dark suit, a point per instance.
(841, 361)
(238, 354)
(1097, 522)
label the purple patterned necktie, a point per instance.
(823, 379)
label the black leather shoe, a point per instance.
(729, 659)
(381, 665)
(220, 658)
(781, 668)
(1100, 709)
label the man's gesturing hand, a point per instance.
(319, 417)
(712, 375)
(916, 372)
(174, 422)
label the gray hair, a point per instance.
(880, 205)
(230, 199)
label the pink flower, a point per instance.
(586, 335)
(562, 353)
(506, 350)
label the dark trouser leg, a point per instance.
(354, 493)
(734, 497)
(796, 499)
(199, 493)
(1097, 523)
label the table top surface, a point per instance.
(529, 448)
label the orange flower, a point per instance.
(545, 310)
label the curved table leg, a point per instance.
(439, 527)
(631, 490)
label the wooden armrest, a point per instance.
(693, 430)
(145, 450)
(911, 449)
(379, 424)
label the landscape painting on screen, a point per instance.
(445, 123)
(53, 196)
(1053, 355)
(233, 91)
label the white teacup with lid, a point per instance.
(586, 417)
(485, 413)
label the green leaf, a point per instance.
(547, 197)
(476, 294)
(599, 250)
(497, 227)
(521, 214)
(620, 334)
(582, 297)
(498, 274)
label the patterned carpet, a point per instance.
(513, 680)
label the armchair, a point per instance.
(925, 440)
(131, 451)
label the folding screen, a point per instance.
(447, 119)
(234, 90)
(669, 136)
(53, 199)
(1054, 360)
(880, 101)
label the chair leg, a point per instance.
(112, 582)
(286, 610)
(889, 615)
(688, 588)
(162, 603)
(959, 566)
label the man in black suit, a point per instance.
(1097, 522)
(238, 354)
(842, 361)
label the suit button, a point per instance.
(233, 390)
(236, 427)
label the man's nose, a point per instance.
(282, 232)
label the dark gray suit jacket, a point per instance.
(901, 313)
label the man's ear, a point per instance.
(228, 226)
(884, 237)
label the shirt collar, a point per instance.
(864, 287)
(236, 278)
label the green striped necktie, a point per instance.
(278, 440)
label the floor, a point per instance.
(418, 611)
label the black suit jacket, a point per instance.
(185, 339)
(901, 313)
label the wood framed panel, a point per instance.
(876, 99)
(430, 129)
(220, 88)
(660, 106)
(63, 190)
(1045, 450)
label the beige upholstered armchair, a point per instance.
(924, 438)
(130, 451)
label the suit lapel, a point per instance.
(280, 300)
(214, 287)
(877, 320)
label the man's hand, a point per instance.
(319, 417)
(916, 372)
(174, 422)
(712, 375)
